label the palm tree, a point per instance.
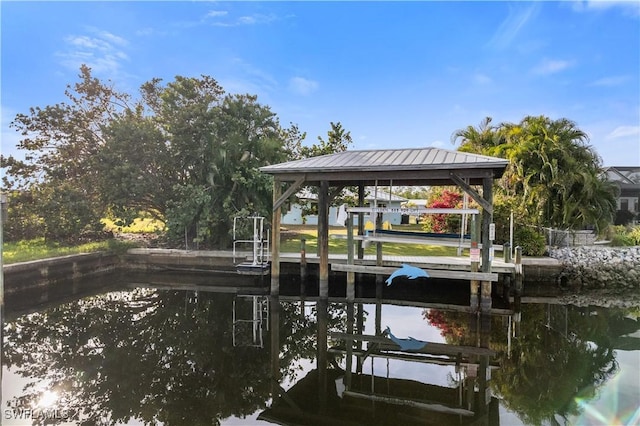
(482, 139)
(553, 171)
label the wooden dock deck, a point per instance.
(445, 263)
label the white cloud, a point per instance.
(217, 13)
(102, 51)
(511, 26)
(611, 81)
(624, 132)
(437, 144)
(482, 78)
(254, 19)
(302, 86)
(552, 66)
(631, 8)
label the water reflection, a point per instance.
(201, 356)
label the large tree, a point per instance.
(185, 152)
(61, 143)
(554, 175)
(201, 150)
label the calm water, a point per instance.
(170, 350)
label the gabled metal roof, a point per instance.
(413, 166)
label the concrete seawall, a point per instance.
(28, 275)
(25, 275)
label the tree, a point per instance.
(478, 139)
(186, 152)
(205, 147)
(554, 175)
(62, 141)
(338, 140)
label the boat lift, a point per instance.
(248, 331)
(259, 240)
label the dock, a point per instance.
(430, 263)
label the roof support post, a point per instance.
(360, 219)
(275, 239)
(487, 218)
(323, 237)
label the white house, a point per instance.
(294, 215)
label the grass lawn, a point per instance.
(23, 251)
(290, 242)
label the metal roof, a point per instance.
(413, 166)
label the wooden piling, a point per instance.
(303, 260)
(351, 276)
(323, 238)
(275, 243)
(519, 272)
(475, 264)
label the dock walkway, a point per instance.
(447, 263)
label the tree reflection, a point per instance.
(157, 356)
(560, 354)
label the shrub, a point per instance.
(634, 234)
(531, 241)
(623, 217)
(624, 236)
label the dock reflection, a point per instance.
(339, 390)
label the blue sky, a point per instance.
(395, 74)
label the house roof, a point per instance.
(413, 166)
(626, 178)
(624, 175)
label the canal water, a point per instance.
(173, 349)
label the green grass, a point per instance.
(290, 243)
(24, 251)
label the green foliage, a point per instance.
(554, 177)
(23, 220)
(620, 235)
(411, 192)
(186, 153)
(338, 140)
(531, 241)
(61, 143)
(70, 214)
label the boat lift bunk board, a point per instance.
(258, 263)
